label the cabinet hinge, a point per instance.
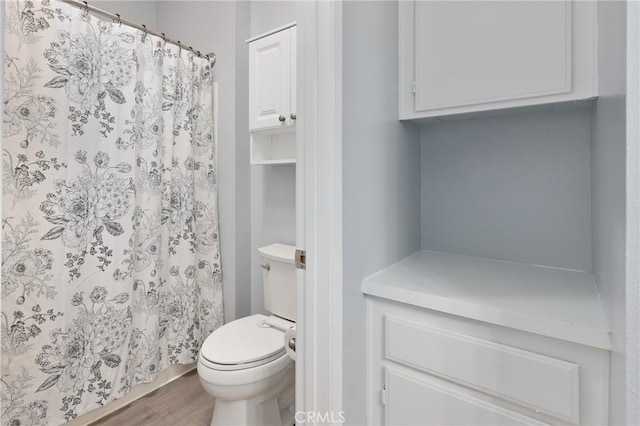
(414, 87)
(301, 259)
(383, 395)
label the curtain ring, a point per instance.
(145, 33)
(118, 21)
(85, 12)
(211, 58)
(164, 38)
(199, 54)
(179, 45)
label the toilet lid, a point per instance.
(243, 341)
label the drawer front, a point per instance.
(539, 382)
(420, 401)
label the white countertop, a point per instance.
(554, 302)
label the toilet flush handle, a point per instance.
(290, 342)
(266, 267)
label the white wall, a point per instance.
(516, 188)
(273, 203)
(608, 190)
(381, 176)
(222, 27)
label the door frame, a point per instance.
(632, 291)
(319, 212)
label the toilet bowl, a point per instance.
(244, 364)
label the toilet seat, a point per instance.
(242, 344)
(244, 366)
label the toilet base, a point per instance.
(273, 408)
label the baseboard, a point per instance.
(172, 373)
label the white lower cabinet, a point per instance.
(431, 368)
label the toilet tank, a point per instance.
(279, 279)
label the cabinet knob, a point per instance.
(293, 116)
(282, 118)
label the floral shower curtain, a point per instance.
(110, 252)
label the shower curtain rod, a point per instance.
(117, 19)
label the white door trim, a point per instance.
(319, 212)
(633, 215)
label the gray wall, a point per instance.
(608, 190)
(222, 27)
(381, 176)
(269, 15)
(243, 170)
(273, 203)
(273, 218)
(514, 188)
(143, 12)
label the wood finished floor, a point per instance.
(182, 402)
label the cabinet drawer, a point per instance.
(539, 382)
(441, 405)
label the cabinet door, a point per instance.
(269, 81)
(479, 52)
(418, 400)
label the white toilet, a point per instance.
(244, 365)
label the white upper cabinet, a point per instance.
(272, 77)
(467, 56)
